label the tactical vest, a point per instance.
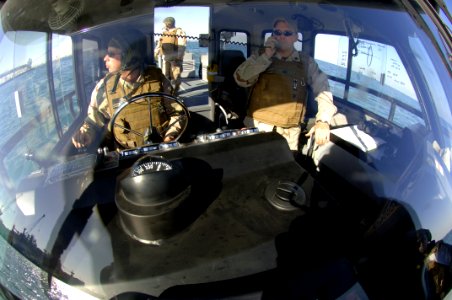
(279, 96)
(136, 117)
(169, 43)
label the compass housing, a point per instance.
(148, 195)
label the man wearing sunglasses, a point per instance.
(128, 76)
(280, 78)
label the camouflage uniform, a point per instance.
(171, 46)
(278, 99)
(105, 101)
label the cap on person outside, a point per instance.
(133, 48)
(169, 20)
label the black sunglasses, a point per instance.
(285, 33)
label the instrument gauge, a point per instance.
(151, 164)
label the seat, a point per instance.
(231, 96)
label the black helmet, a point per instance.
(133, 48)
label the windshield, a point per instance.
(212, 150)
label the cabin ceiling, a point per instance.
(38, 15)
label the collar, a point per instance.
(294, 56)
(131, 85)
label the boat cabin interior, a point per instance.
(237, 212)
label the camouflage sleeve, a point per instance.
(174, 127)
(181, 37)
(326, 107)
(175, 123)
(158, 48)
(91, 126)
(321, 89)
(181, 43)
(98, 115)
(248, 72)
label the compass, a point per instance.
(149, 196)
(150, 164)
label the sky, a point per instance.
(193, 20)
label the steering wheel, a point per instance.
(149, 118)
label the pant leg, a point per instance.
(176, 70)
(291, 134)
(167, 69)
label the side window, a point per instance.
(29, 123)
(234, 40)
(38, 97)
(64, 80)
(91, 70)
(378, 79)
(331, 54)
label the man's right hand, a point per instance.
(270, 46)
(82, 138)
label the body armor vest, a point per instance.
(136, 117)
(169, 42)
(279, 96)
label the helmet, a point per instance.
(133, 48)
(169, 21)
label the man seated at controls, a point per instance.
(280, 77)
(128, 76)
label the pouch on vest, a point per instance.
(273, 101)
(169, 45)
(169, 49)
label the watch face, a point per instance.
(151, 164)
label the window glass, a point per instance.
(63, 80)
(379, 67)
(91, 70)
(331, 54)
(370, 102)
(436, 88)
(234, 40)
(29, 127)
(378, 79)
(405, 118)
(19, 84)
(337, 88)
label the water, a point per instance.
(27, 281)
(21, 277)
(193, 47)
